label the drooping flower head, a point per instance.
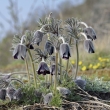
(38, 35)
(49, 48)
(65, 50)
(88, 44)
(43, 68)
(18, 94)
(80, 82)
(89, 31)
(47, 98)
(63, 90)
(29, 39)
(19, 51)
(10, 93)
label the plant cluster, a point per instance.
(60, 40)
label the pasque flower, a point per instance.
(89, 31)
(18, 94)
(38, 35)
(19, 51)
(10, 93)
(47, 98)
(63, 90)
(88, 45)
(80, 82)
(49, 48)
(64, 50)
(43, 68)
(2, 94)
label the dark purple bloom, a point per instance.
(18, 94)
(81, 83)
(2, 94)
(89, 31)
(47, 98)
(65, 51)
(19, 52)
(49, 48)
(10, 93)
(38, 35)
(89, 47)
(43, 68)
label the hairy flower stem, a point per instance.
(56, 68)
(67, 64)
(61, 76)
(50, 76)
(77, 59)
(27, 69)
(46, 79)
(51, 79)
(34, 74)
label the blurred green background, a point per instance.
(95, 13)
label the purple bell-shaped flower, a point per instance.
(10, 93)
(64, 50)
(49, 48)
(89, 31)
(43, 68)
(37, 38)
(19, 51)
